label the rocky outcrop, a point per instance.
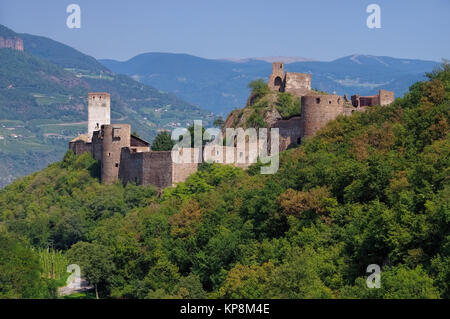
(11, 43)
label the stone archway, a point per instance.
(278, 83)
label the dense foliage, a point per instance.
(263, 106)
(162, 142)
(371, 188)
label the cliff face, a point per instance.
(11, 43)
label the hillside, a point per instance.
(43, 103)
(263, 108)
(220, 85)
(371, 188)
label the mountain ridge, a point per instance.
(221, 85)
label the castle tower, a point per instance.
(277, 78)
(385, 97)
(115, 137)
(99, 111)
(318, 110)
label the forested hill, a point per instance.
(43, 103)
(371, 188)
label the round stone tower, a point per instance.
(318, 109)
(115, 137)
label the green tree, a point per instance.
(396, 283)
(259, 89)
(20, 270)
(162, 142)
(95, 262)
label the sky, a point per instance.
(317, 29)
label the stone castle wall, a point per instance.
(181, 171)
(97, 142)
(290, 131)
(385, 97)
(131, 169)
(298, 84)
(157, 169)
(154, 168)
(80, 147)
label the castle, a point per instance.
(128, 158)
(317, 109)
(124, 156)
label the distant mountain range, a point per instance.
(43, 102)
(221, 85)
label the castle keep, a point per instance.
(128, 158)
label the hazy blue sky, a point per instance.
(318, 29)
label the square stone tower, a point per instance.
(277, 78)
(99, 111)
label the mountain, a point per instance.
(270, 59)
(372, 188)
(221, 85)
(43, 102)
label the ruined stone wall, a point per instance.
(80, 147)
(231, 155)
(382, 98)
(385, 97)
(181, 171)
(290, 131)
(157, 168)
(218, 154)
(115, 137)
(131, 167)
(97, 141)
(99, 111)
(298, 84)
(276, 79)
(317, 110)
(11, 43)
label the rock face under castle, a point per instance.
(128, 158)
